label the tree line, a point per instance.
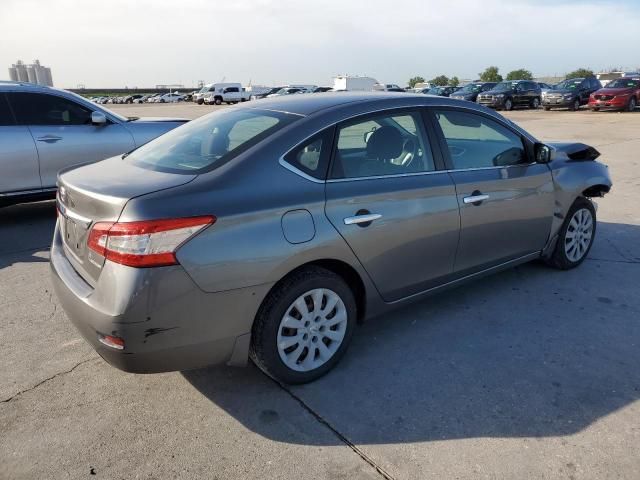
(492, 74)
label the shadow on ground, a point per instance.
(24, 231)
(529, 352)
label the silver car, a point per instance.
(44, 130)
(269, 230)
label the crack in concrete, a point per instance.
(379, 469)
(607, 260)
(59, 374)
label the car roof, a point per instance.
(308, 104)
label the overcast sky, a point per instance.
(142, 43)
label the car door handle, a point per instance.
(49, 139)
(476, 198)
(360, 219)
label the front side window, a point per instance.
(382, 145)
(6, 117)
(475, 141)
(208, 142)
(43, 109)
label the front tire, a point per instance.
(576, 236)
(632, 104)
(508, 105)
(575, 106)
(535, 103)
(304, 326)
(218, 101)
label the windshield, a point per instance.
(208, 142)
(624, 83)
(504, 86)
(204, 90)
(471, 88)
(571, 84)
(435, 90)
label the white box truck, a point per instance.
(353, 83)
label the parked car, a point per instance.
(510, 94)
(171, 97)
(544, 87)
(142, 99)
(387, 87)
(198, 97)
(571, 93)
(44, 130)
(322, 89)
(225, 92)
(154, 98)
(132, 98)
(471, 90)
(288, 91)
(440, 91)
(620, 94)
(258, 96)
(217, 241)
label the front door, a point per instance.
(18, 154)
(64, 135)
(506, 202)
(385, 197)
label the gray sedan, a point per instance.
(269, 231)
(44, 130)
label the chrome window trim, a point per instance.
(379, 177)
(504, 121)
(297, 171)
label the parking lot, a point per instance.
(531, 373)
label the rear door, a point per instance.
(506, 202)
(390, 203)
(64, 134)
(18, 155)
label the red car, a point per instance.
(620, 94)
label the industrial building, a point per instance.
(32, 73)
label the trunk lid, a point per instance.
(98, 192)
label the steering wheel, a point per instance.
(409, 152)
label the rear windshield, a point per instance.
(624, 83)
(208, 142)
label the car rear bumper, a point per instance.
(167, 323)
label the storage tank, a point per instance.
(47, 74)
(13, 74)
(31, 74)
(21, 72)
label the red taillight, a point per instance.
(149, 243)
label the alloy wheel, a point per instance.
(579, 235)
(312, 330)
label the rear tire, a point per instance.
(595, 109)
(297, 319)
(218, 101)
(576, 236)
(633, 103)
(535, 103)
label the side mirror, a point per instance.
(98, 118)
(542, 153)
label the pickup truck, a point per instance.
(226, 92)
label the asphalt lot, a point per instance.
(531, 373)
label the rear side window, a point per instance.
(475, 141)
(208, 142)
(43, 109)
(312, 157)
(6, 117)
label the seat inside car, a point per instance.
(385, 144)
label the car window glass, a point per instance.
(475, 141)
(312, 156)
(42, 109)
(6, 117)
(208, 142)
(382, 145)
